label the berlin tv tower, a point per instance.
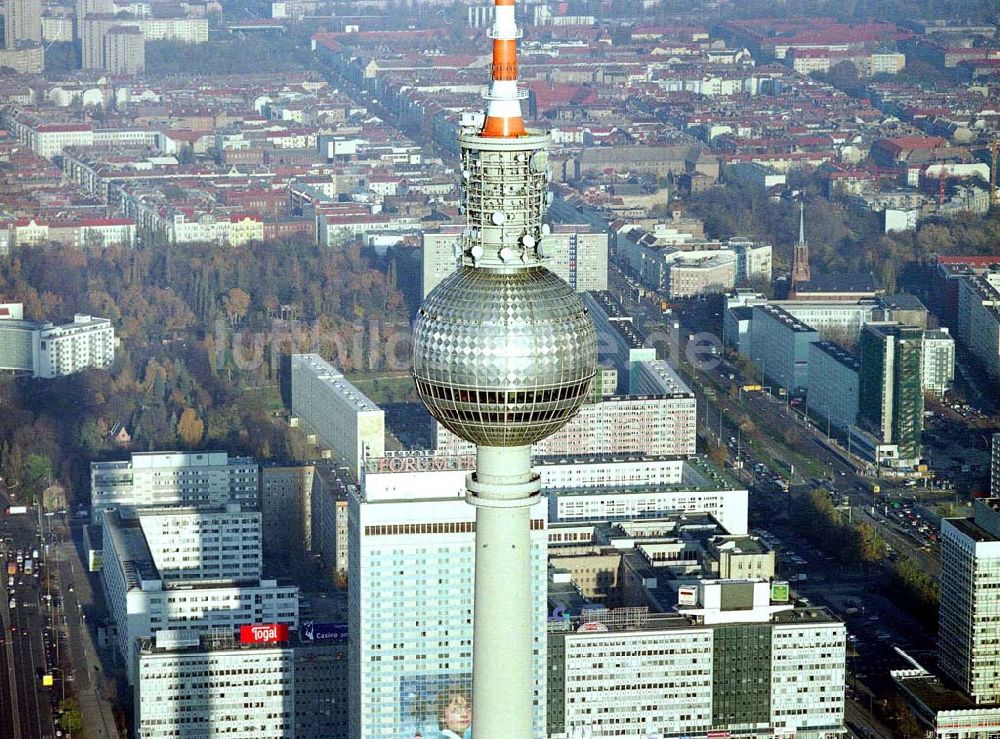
(504, 354)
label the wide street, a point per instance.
(23, 661)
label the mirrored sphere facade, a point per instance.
(503, 358)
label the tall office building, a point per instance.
(264, 682)
(285, 506)
(968, 651)
(411, 542)
(966, 705)
(124, 50)
(890, 391)
(196, 685)
(343, 417)
(173, 478)
(203, 543)
(737, 659)
(22, 22)
(143, 598)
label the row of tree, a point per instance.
(202, 333)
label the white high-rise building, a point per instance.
(203, 543)
(340, 414)
(939, 361)
(653, 425)
(46, 350)
(262, 683)
(732, 660)
(411, 560)
(173, 478)
(968, 651)
(142, 600)
(63, 350)
(191, 686)
(438, 256)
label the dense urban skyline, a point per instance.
(510, 369)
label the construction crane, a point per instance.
(941, 179)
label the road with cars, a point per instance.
(24, 658)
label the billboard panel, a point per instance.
(263, 633)
(779, 591)
(317, 631)
(436, 706)
(687, 596)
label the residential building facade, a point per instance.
(833, 385)
(340, 414)
(173, 478)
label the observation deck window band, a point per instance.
(491, 397)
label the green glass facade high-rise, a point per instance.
(890, 393)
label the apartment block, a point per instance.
(731, 660)
(150, 479)
(124, 50)
(142, 600)
(938, 370)
(833, 385)
(779, 345)
(22, 21)
(43, 349)
(341, 415)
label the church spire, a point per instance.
(800, 255)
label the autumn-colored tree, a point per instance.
(718, 454)
(271, 305)
(190, 428)
(237, 303)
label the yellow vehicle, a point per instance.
(876, 489)
(752, 388)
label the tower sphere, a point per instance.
(503, 358)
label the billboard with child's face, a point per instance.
(436, 706)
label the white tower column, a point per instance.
(503, 488)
